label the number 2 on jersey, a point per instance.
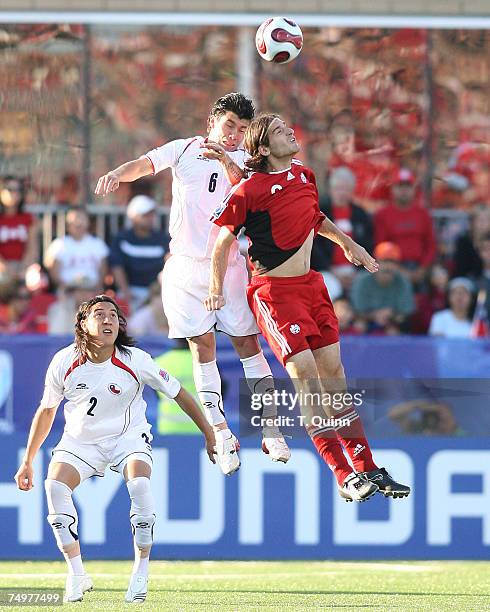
(212, 182)
(93, 403)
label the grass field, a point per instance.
(272, 586)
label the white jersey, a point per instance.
(199, 185)
(104, 400)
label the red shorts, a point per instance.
(294, 313)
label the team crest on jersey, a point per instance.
(294, 328)
(219, 211)
(164, 375)
(114, 389)
(275, 188)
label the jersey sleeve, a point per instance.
(167, 155)
(53, 384)
(157, 378)
(232, 212)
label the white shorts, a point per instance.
(185, 286)
(93, 459)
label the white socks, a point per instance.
(208, 387)
(141, 566)
(75, 565)
(259, 379)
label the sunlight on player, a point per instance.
(277, 205)
(102, 377)
(203, 171)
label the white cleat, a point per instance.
(274, 445)
(227, 454)
(137, 589)
(76, 586)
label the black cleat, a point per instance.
(386, 485)
(357, 488)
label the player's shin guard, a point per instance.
(62, 516)
(208, 387)
(331, 452)
(260, 381)
(142, 512)
(354, 441)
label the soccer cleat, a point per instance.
(227, 454)
(357, 488)
(76, 586)
(137, 589)
(274, 445)
(386, 485)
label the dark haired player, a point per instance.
(102, 377)
(278, 208)
(203, 171)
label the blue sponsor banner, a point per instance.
(268, 510)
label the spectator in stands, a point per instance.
(350, 218)
(430, 301)
(348, 323)
(467, 260)
(61, 314)
(137, 253)
(18, 230)
(149, 320)
(18, 316)
(37, 283)
(67, 193)
(483, 281)
(455, 322)
(77, 258)
(384, 299)
(407, 224)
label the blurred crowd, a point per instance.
(395, 124)
(419, 289)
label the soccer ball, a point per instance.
(279, 40)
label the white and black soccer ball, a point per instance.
(279, 40)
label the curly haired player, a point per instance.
(277, 205)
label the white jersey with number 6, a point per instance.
(199, 185)
(104, 400)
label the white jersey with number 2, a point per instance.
(198, 187)
(104, 400)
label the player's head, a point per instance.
(268, 137)
(100, 322)
(229, 118)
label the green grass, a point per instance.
(272, 586)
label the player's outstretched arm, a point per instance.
(126, 173)
(40, 428)
(219, 264)
(185, 400)
(354, 252)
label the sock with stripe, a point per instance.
(259, 380)
(331, 452)
(208, 387)
(354, 441)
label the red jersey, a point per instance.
(14, 233)
(278, 211)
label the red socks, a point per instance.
(355, 442)
(331, 452)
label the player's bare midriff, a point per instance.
(298, 264)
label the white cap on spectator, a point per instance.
(140, 205)
(462, 281)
